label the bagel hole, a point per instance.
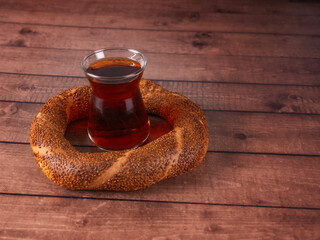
(76, 133)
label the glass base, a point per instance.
(112, 150)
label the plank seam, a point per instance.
(171, 53)
(209, 151)
(165, 30)
(163, 202)
(203, 109)
(169, 80)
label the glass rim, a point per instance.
(124, 77)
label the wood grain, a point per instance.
(222, 178)
(209, 96)
(234, 44)
(253, 66)
(39, 217)
(170, 19)
(229, 131)
(236, 69)
(272, 7)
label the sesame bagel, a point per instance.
(170, 155)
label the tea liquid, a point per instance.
(117, 118)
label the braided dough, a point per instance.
(172, 154)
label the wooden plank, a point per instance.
(272, 7)
(171, 19)
(41, 217)
(222, 178)
(264, 133)
(210, 96)
(235, 44)
(236, 69)
(246, 132)
(229, 131)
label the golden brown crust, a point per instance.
(172, 154)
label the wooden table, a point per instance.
(252, 66)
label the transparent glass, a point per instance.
(117, 115)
